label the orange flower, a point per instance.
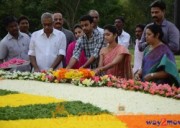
(60, 73)
(87, 73)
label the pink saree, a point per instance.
(122, 69)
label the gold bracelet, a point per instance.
(152, 74)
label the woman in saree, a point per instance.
(158, 62)
(114, 58)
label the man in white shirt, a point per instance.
(47, 46)
(123, 37)
(138, 55)
(95, 15)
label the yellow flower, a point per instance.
(87, 82)
(15, 100)
(56, 73)
(92, 73)
(73, 74)
(43, 78)
(105, 77)
(86, 121)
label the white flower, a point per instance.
(87, 82)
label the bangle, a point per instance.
(152, 74)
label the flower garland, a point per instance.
(147, 87)
(87, 78)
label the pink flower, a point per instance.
(81, 79)
(124, 86)
(174, 88)
(50, 78)
(131, 82)
(43, 71)
(152, 91)
(161, 92)
(109, 84)
(118, 85)
(96, 79)
(177, 96)
(168, 94)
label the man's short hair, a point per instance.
(142, 26)
(9, 19)
(93, 11)
(46, 15)
(22, 18)
(158, 3)
(120, 18)
(86, 17)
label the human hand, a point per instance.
(149, 77)
(36, 70)
(97, 71)
(137, 76)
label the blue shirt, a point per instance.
(171, 36)
(11, 47)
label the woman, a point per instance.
(158, 62)
(78, 32)
(114, 59)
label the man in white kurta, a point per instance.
(123, 37)
(47, 46)
(138, 55)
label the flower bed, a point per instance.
(86, 78)
(19, 113)
(72, 115)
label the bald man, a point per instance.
(58, 24)
(95, 15)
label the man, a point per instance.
(47, 46)
(123, 37)
(23, 23)
(91, 42)
(15, 44)
(95, 15)
(171, 34)
(58, 24)
(138, 55)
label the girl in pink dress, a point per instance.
(115, 58)
(78, 32)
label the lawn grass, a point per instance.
(177, 57)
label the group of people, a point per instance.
(103, 50)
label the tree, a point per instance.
(8, 8)
(134, 11)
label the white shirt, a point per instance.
(124, 39)
(47, 49)
(138, 56)
(100, 30)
